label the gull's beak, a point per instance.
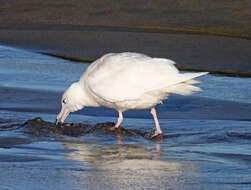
(62, 115)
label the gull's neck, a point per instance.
(86, 98)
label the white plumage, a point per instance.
(127, 81)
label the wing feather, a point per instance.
(127, 76)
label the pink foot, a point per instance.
(156, 133)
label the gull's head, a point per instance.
(71, 101)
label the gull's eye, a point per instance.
(64, 102)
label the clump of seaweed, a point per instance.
(39, 127)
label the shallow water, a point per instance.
(206, 141)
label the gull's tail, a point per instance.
(186, 87)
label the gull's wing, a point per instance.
(127, 76)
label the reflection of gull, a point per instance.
(127, 81)
(129, 167)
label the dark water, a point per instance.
(206, 142)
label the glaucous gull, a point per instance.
(127, 81)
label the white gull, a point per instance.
(127, 81)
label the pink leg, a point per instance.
(120, 119)
(156, 121)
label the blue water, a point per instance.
(206, 144)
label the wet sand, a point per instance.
(231, 17)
